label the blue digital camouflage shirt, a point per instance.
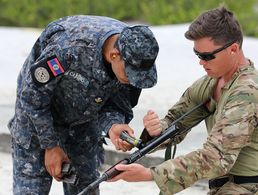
(65, 85)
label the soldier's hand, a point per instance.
(151, 123)
(54, 158)
(114, 135)
(132, 173)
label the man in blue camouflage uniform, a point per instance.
(79, 84)
(229, 156)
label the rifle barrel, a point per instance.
(169, 133)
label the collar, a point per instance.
(249, 66)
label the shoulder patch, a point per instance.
(46, 69)
(55, 66)
(41, 75)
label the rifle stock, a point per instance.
(169, 133)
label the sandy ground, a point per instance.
(107, 188)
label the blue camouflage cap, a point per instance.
(139, 49)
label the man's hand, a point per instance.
(151, 123)
(114, 135)
(54, 158)
(132, 173)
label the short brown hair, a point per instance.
(219, 24)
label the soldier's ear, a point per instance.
(234, 48)
(114, 54)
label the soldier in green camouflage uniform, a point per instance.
(229, 156)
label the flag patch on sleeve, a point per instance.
(55, 66)
(46, 69)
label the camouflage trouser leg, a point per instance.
(29, 174)
(31, 178)
(230, 188)
(84, 157)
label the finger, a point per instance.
(51, 170)
(130, 131)
(122, 167)
(130, 147)
(119, 167)
(59, 175)
(126, 148)
(66, 159)
(154, 122)
(117, 144)
(147, 118)
(58, 178)
(57, 170)
(123, 145)
(151, 114)
(116, 178)
(156, 132)
(154, 127)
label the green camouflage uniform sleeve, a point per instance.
(186, 103)
(232, 131)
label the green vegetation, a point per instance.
(38, 13)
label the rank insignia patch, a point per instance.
(55, 66)
(98, 100)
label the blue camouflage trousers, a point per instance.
(30, 176)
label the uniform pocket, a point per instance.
(20, 132)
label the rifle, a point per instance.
(170, 133)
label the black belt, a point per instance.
(216, 183)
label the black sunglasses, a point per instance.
(206, 56)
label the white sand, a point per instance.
(107, 188)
